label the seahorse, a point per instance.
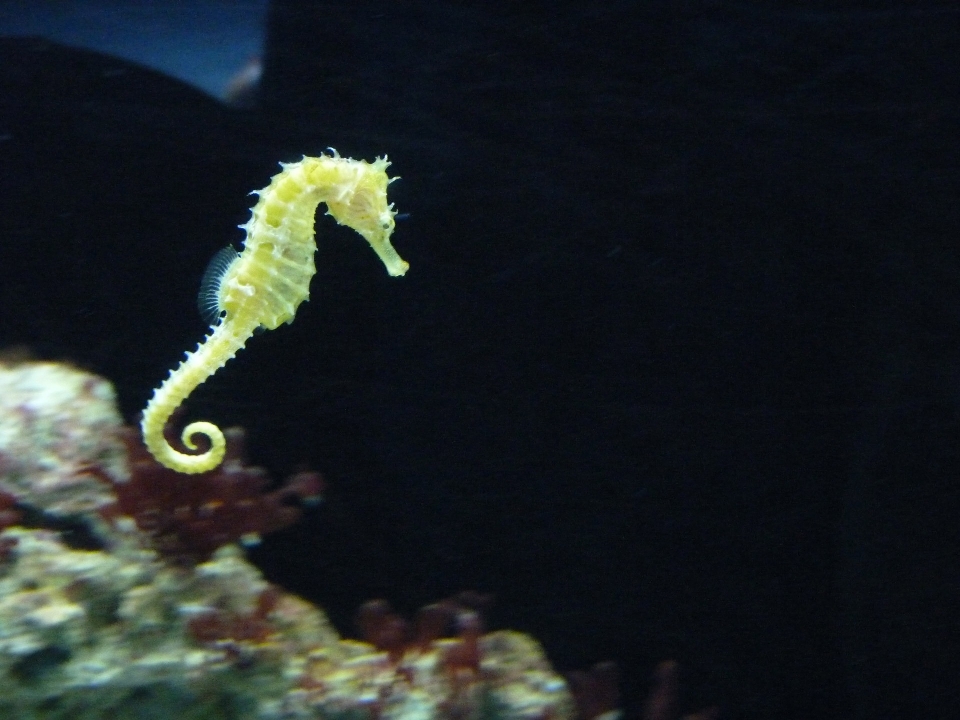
(262, 287)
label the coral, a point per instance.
(64, 453)
(127, 630)
(391, 633)
(216, 626)
(662, 702)
(596, 691)
(9, 514)
(91, 634)
(413, 671)
(57, 422)
(187, 517)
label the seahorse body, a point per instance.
(266, 283)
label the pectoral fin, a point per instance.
(208, 301)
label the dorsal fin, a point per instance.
(208, 301)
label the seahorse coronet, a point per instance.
(269, 280)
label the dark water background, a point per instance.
(674, 374)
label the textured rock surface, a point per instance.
(91, 635)
(122, 633)
(56, 422)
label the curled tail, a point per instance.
(211, 355)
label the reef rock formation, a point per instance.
(129, 632)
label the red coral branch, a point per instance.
(218, 626)
(388, 631)
(9, 516)
(189, 516)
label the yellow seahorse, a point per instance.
(263, 286)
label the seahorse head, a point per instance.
(362, 205)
